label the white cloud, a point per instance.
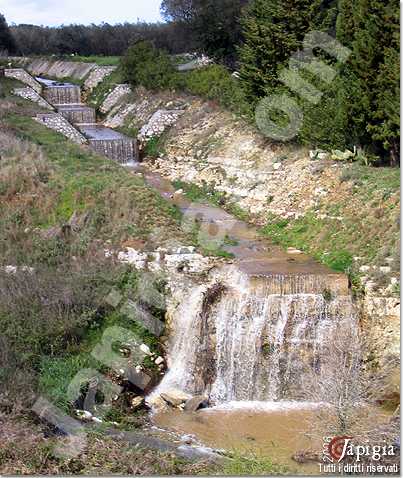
(53, 12)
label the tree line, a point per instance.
(360, 107)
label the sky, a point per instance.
(57, 12)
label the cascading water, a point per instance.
(78, 114)
(252, 343)
(63, 94)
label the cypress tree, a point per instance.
(371, 29)
(7, 43)
(272, 31)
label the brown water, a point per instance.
(276, 430)
(277, 434)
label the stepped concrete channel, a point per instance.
(66, 98)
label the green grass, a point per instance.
(365, 223)
(99, 60)
(199, 194)
(99, 93)
(252, 465)
(155, 146)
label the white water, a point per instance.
(259, 346)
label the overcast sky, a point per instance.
(57, 12)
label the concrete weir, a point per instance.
(60, 93)
(110, 143)
(66, 98)
(77, 114)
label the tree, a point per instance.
(272, 30)
(7, 43)
(213, 25)
(371, 29)
(147, 66)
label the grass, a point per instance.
(353, 225)
(99, 60)
(200, 194)
(154, 147)
(99, 93)
(44, 180)
(252, 465)
(25, 451)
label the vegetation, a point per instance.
(358, 108)
(147, 66)
(212, 25)
(353, 225)
(7, 42)
(252, 465)
(103, 40)
(61, 205)
(25, 450)
(272, 32)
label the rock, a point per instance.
(188, 439)
(364, 268)
(159, 360)
(157, 403)
(96, 420)
(292, 250)
(305, 456)
(136, 402)
(194, 403)
(276, 166)
(338, 155)
(145, 348)
(175, 397)
(140, 379)
(84, 415)
(385, 269)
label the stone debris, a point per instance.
(15, 269)
(136, 402)
(182, 259)
(145, 348)
(84, 415)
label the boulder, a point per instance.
(175, 398)
(136, 402)
(194, 403)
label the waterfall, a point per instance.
(78, 114)
(63, 94)
(252, 343)
(122, 149)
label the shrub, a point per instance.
(214, 82)
(147, 66)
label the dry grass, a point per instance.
(26, 451)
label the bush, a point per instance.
(147, 66)
(214, 82)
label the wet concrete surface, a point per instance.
(102, 133)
